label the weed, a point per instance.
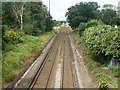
(103, 65)
(90, 68)
(100, 72)
(15, 55)
(103, 85)
(115, 71)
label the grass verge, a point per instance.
(15, 56)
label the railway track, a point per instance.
(57, 69)
(46, 76)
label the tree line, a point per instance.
(86, 11)
(26, 17)
(96, 28)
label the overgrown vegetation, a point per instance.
(82, 12)
(81, 28)
(95, 39)
(21, 21)
(97, 35)
(102, 39)
(15, 55)
(85, 11)
(102, 76)
(26, 16)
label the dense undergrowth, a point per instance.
(96, 39)
(100, 73)
(101, 39)
(18, 50)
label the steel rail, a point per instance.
(27, 66)
(73, 59)
(42, 65)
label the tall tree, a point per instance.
(109, 14)
(108, 6)
(82, 12)
(8, 15)
(27, 16)
(18, 9)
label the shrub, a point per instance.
(102, 39)
(76, 30)
(11, 37)
(92, 23)
(103, 85)
(5, 28)
(82, 28)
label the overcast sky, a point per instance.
(59, 7)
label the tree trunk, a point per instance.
(21, 23)
(20, 14)
(21, 20)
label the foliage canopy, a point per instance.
(82, 12)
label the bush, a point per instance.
(118, 21)
(102, 39)
(92, 23)
(11, 37)
(103, 85)
(5, 28)
(76, 30)
(82, 28)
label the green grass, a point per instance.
(0, 73)
(98, 71)
(119, 83)
(0, 64)
(15, 55)
(90, 68)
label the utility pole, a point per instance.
(49, 6)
